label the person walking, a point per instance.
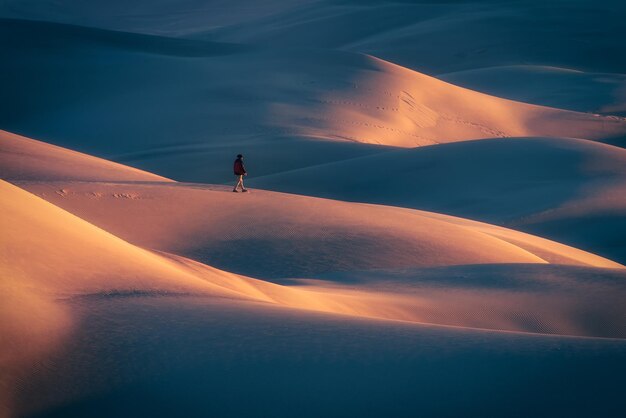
(240, 171)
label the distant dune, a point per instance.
(439, 37)
(146, 16)
(181, 115)
(603, 93)
(565, 189)
(424, 36)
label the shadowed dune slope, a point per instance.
(28, 159)
(425, 36)
(379, 368)
(31, 34)
(437, 37)
(421, 35)
(273, 235)
(170, 17)
(566, 189)
(155, 109)
(170, 354)
(532, 297)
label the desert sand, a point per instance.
(566, 189)
(28, 159)
(435, 223)
(603, 93)
(182, 107)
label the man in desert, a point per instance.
(240, 171)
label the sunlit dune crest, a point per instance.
(563, 88)
(278, 235)
(23, 158)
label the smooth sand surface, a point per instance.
(438, 37)
(564, 189)
(279, 235)
(28, 159)
(77, 259)
(168, 17)
(196, 357)
(167, 102)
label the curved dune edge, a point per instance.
(212, 220)
(551, 251)
(563, 88)
(492, 35)
(568, 190)
(336, 95)
(28, 159)
(88, 261)
(50, 257)
(49, 253)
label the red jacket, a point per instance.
(238, 168)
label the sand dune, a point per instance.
(262, 234)
(273, 235)
(47, 253)
(437, 37)
(55, 255)
(421, 35)
(92, 296)
(173, 17)
(165, 110)
(34, 33)
(169, 356)
(87, 262)
(534, 297)
(79, 269)
(28, 159)
(603, 93)
(127, 294)
(74, 257)
(566, 189)
(424, 36)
